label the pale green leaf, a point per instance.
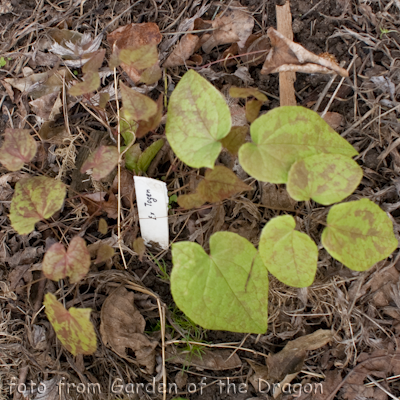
(286, 135)
(289, 255)
(359, 234)
(147, 156)
(35, 199)
(198, 117)
(132, 157)
(226, 290)
(137, 106)
(73, 327)
(325, 178)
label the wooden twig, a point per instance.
(286, 79)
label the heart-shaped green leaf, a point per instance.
(198, 117)
(102, 162)
(359, 234)
(289, 255)
(226, 290)
(35, 199)
(286, 135)
(325, 178)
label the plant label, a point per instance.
(152, 202)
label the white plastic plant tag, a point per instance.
(152, 202)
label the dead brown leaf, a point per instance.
(233, 25)
(285, 56)
(334, 119)
(106, 201)
(122, 327)
(183, 51)
(276, 197)
(216, 360)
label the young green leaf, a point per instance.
(243, 93)
(132, 157)
(359, 234)
(289, 255)
(74, 262)
(147, 156)
(219, 184)
(253, 108)
(35, 199)
(325, 178)
(198, 117)
(128, 127)
(137, 106)
(102, 162)
(153, 122)
(227, 290)
(235, 139)
(103, 226)
(19, 147)
(286, 135)
(104, 253)
(90, 83)
(73, 327)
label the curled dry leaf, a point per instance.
(183, 50)
(285, 55)
(73, 47)
(216, 359)
(122, 327)
(102, 162)
(135, 48)
(19, 147)
(47, 107)
(73, 262)
(233, 25)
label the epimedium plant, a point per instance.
(228, 288)
(37, 198)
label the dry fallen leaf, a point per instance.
(289, 361)
(183, 50)
(122, 327)
(285, 56)
(216, 360)
(233, 25)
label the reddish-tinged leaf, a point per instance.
(243, 93)
(19, 147)
(183, 50)
(139, 247)
(218, 184)
(153, 122)
(103, 227)
(253, 108)
(35, 199)
(104, 253)
(135, 47)
(73, 327)
(95, 62)
(102, 161)
(74, 262)
(137, 106)
(90, 83)
(235, 139)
